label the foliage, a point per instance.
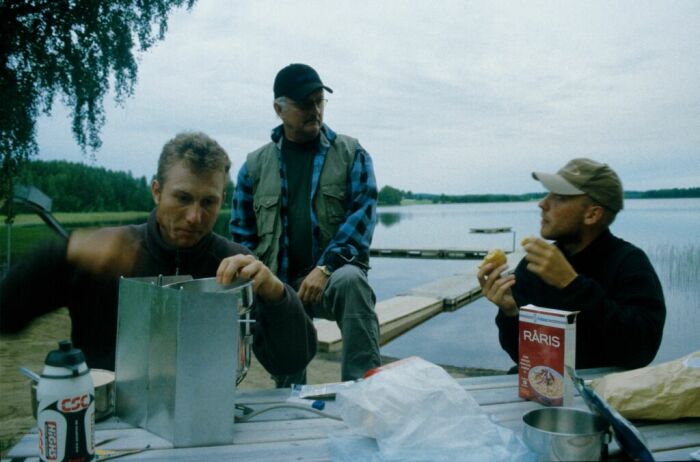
(76, 187)
(467, 198)
(390, 196)
(71, 49)
(664, 193)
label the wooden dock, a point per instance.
(405, 311)
(458, 254)
(503, 229)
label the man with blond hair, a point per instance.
(83, 273)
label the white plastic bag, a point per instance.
(416, 411)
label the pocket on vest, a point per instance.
(266, 217)
(334, 203)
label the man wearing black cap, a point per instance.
(306, 204)
(610, 281)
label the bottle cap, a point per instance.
(66, 356)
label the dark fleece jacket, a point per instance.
(284, 336)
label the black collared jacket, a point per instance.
(620, 299)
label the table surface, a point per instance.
(290, 434)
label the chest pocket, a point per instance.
(267, 218)
(331, 211)
(334, 197)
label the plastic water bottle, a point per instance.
(66, 410)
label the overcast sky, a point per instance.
(456, 97)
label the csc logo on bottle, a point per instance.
(75, 404)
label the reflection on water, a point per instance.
(388, 219)
(665, 229)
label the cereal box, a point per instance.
(547, 342)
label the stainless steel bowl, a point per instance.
(242, 286)
(104, 393)
(559, 433)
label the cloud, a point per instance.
(455, 97)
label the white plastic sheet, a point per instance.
(415, 411)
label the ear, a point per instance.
(594, 214)
(278, 109)
(155, 191)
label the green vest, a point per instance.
(328, 202)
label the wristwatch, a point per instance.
(325, 270)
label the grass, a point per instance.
(28, 230)
(416, 201)
(71, 219)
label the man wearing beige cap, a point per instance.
(587, 269)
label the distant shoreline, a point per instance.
(424, 198)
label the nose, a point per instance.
(543, 204)
(316, 107)
(194, 214)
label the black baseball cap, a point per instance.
(297, 81)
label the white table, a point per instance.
(289, 434)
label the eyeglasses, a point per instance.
(310, 104)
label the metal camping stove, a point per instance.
(177, 358)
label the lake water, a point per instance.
(668, 230)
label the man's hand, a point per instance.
(547, 261)
(311, 290)
(109, 252)
(498, 289)
(265, 283)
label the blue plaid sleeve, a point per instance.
(242, 226)
(354, 235)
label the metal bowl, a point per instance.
(243, 286)
(104, 393)
(560, 433)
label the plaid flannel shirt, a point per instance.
(354, 235)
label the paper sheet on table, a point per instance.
(666, 391)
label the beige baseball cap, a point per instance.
(585, 176)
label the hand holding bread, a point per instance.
(495, 257)
(495, 287)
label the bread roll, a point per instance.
(527, 239)
(496, 257)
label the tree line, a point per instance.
(75, 187)
(389, 195)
